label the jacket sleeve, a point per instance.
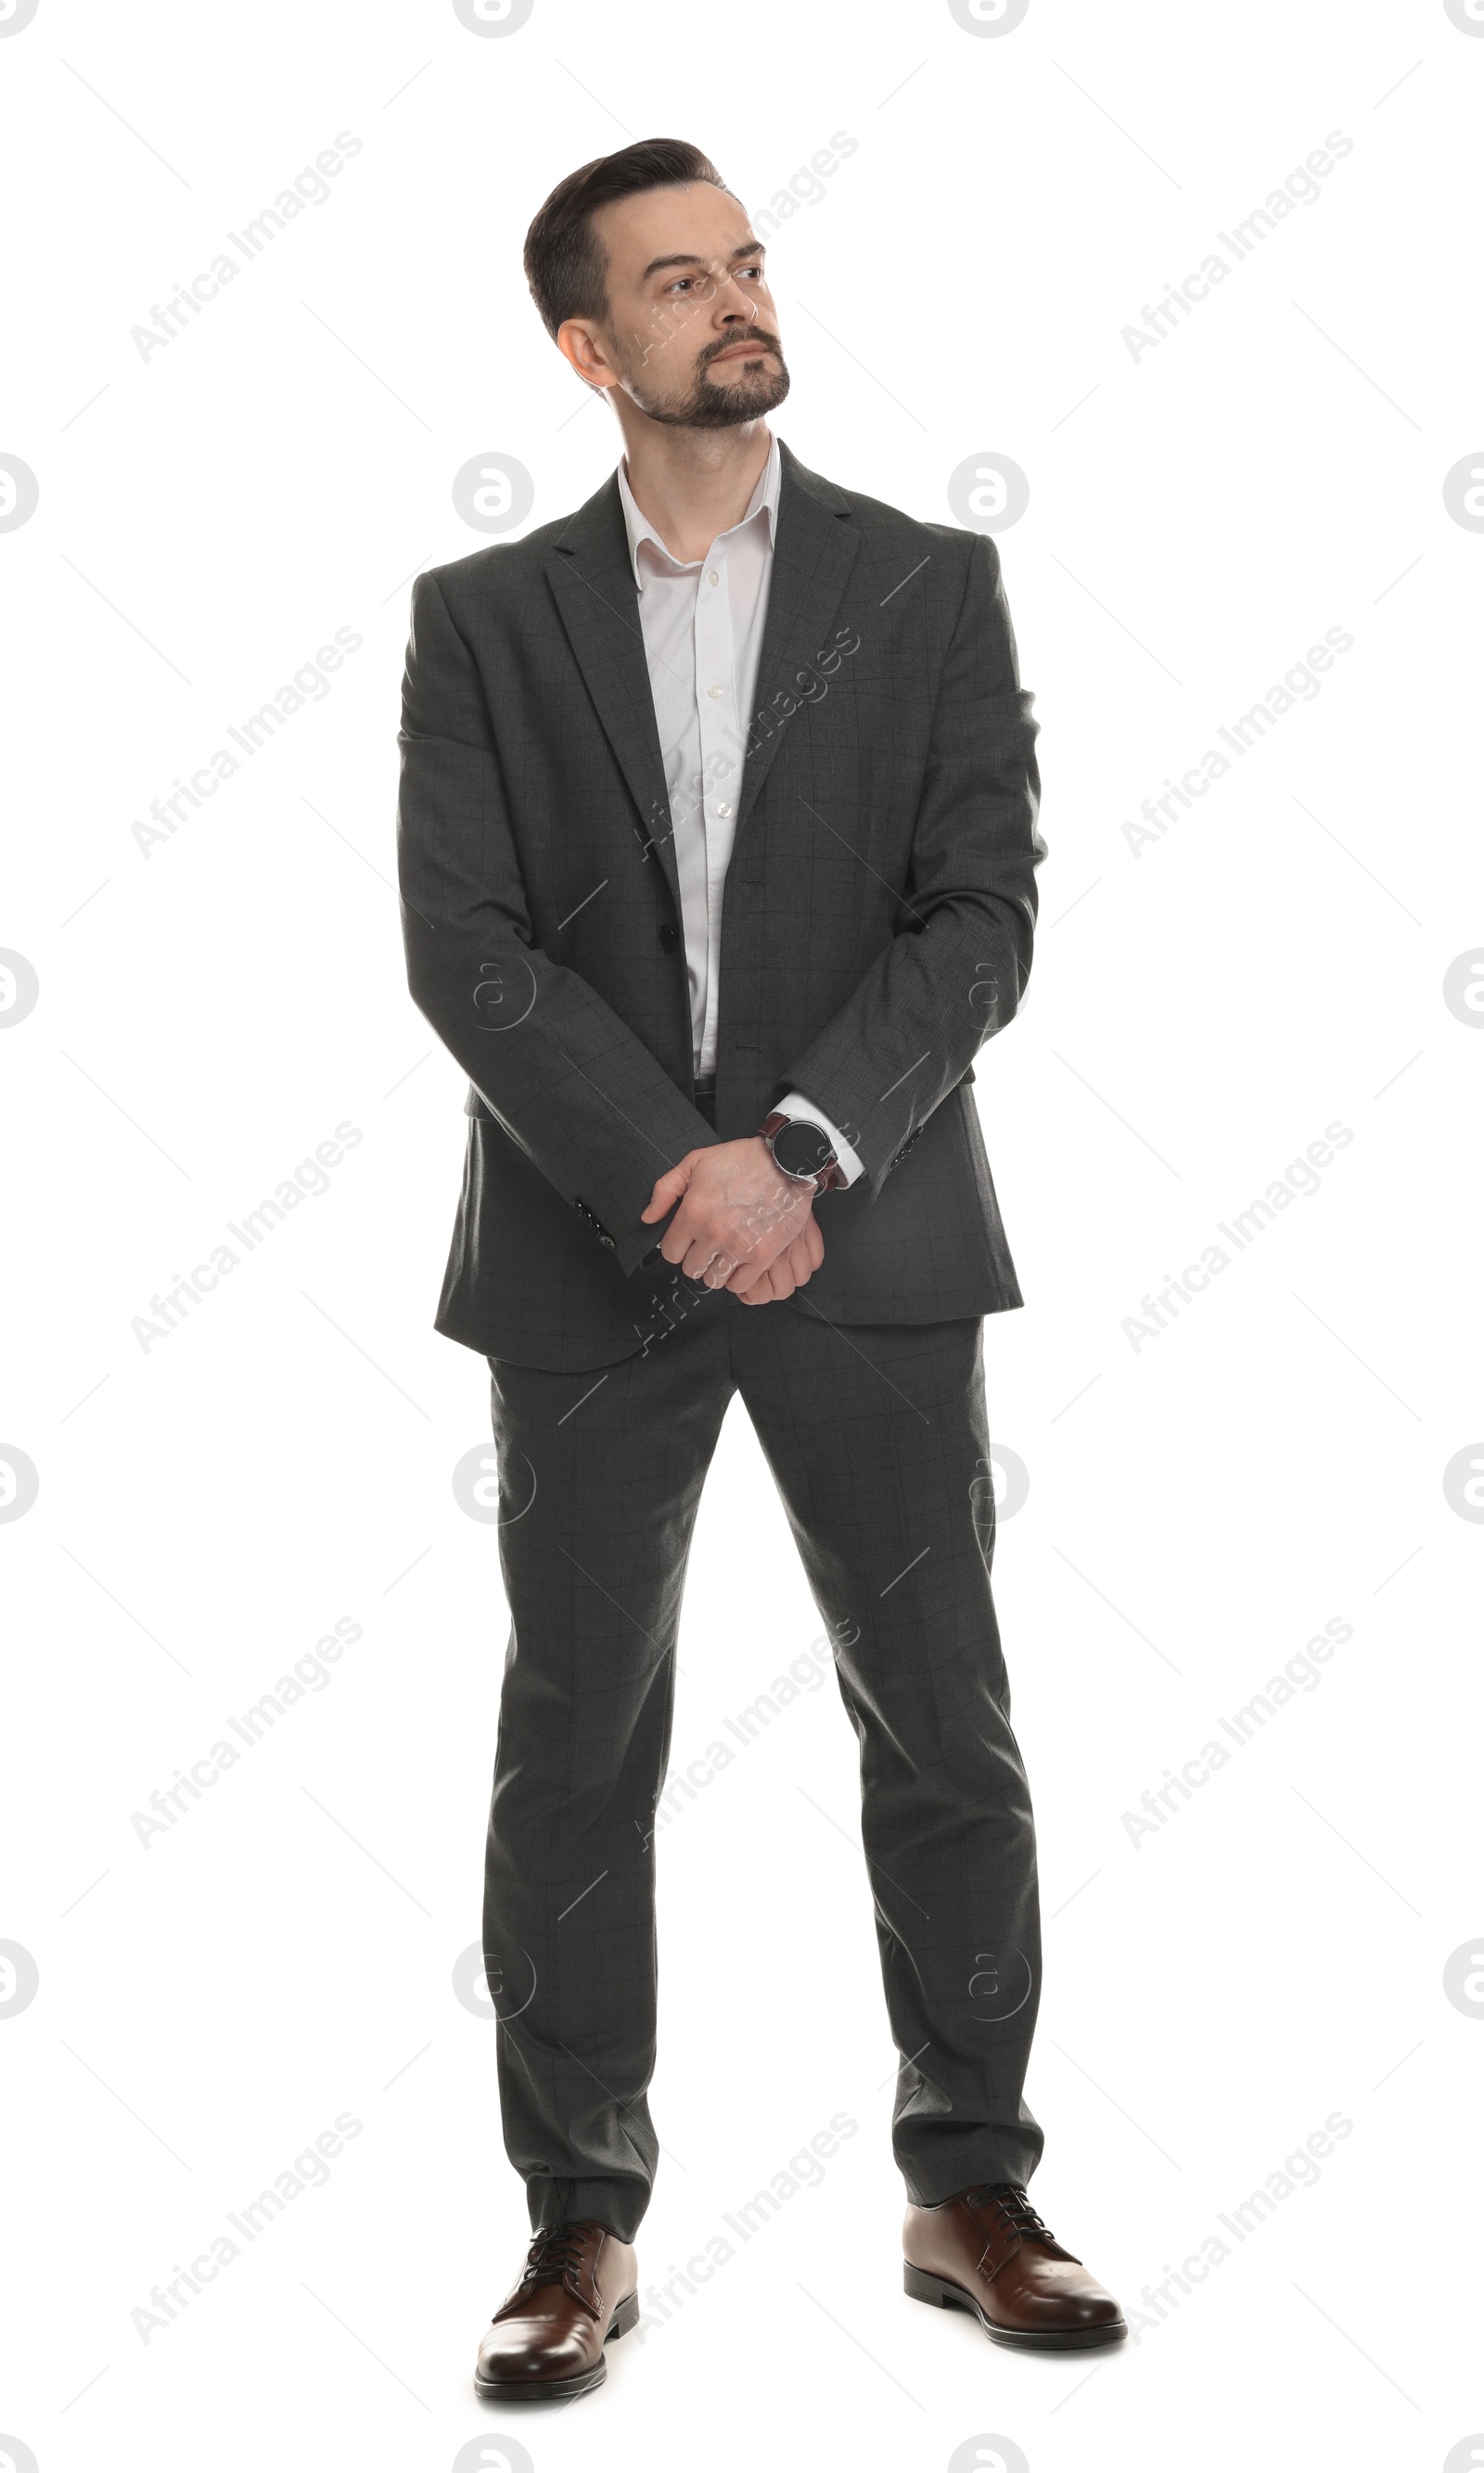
(566, 1078)
(956, 966)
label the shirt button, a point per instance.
(717, 692)
(723, 807)
(714, 577)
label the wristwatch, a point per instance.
(803, 1151)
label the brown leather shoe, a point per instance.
(987, 2251)
(546, 2339)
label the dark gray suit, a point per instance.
(877, 925)
(879, 907)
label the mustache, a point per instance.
(757, 339)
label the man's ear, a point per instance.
(582, 349)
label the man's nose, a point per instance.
(731, 300)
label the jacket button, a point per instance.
(608, 1242)
(668, 939)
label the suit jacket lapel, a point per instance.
(592, 580)
(813, 556)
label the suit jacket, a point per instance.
(880, 904)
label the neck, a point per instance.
(693, 484)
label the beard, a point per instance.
(724, 403)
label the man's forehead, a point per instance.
(699, 223)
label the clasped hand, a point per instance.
(742, 1224)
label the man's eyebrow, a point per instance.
(686, 257)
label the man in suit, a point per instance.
(717, 841)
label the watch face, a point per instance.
(803, 1149)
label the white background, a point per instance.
(1198, 1506)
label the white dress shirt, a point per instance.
(703, 625)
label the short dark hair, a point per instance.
(566, 267)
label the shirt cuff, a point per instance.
(797, 1105)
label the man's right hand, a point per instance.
(738, 1217)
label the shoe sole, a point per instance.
(944, 2296)
(544, 2391)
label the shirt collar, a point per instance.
(637, 526)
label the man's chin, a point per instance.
(717, 403)
(745, 393)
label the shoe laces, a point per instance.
(552, 2255)
(1013, 2211)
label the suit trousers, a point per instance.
(878, 1440)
